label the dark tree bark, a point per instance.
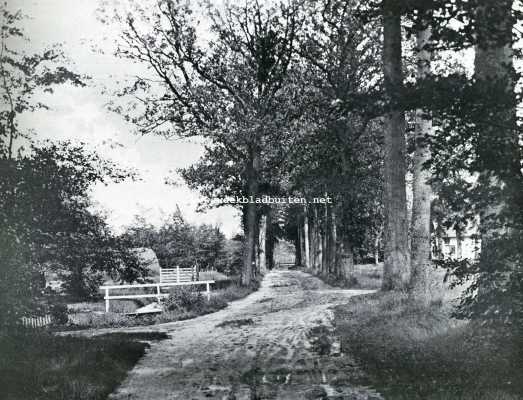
(324, 244)
(262, 245)
(334, 243)
(298, 244)
(270, 241)
(499, 156)
(331, 240)
(315, 235)
(396, 263)
(251, 221)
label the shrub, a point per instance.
(184, 298)
(59, 314)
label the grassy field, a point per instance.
(412, 353)
(37, 365)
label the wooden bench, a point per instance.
(169, 277)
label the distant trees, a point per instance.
(179, 243)
(339, 150)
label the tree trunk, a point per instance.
(421, 265)
(324, 243)
(302, 243)
(377, 246)
(318, 239)
(312, 241)
(323, 252)
(493, 65)
(499, 156)
(297, 245)
(262, 245)
(396, 263)
(256, 251)
(328, 240)
(251, 221)
(306, 237)
(319, 242)
(270, 240)
(331, 240)
(348, 255)
(334, 241)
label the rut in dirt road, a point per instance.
(277, 343)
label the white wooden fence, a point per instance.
(177, 275)
(37, 322)
(169, 277)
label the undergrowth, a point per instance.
(413, 353)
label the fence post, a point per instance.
(208, 291)
(106, 299)
(158, 292)
(177, 274)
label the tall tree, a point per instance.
(421, 265)
(396, 253)
(231, 90)
(500, 180)
(476, 156)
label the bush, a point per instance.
(59, 314)
(184, 298)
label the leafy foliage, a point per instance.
(45, 207)
(22, 76)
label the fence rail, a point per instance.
(171, 275)
(157, 295)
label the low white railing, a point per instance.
(158, 293)
(37, 322)
(177, 275)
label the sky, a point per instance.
(80, 114)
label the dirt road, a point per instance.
(275, 344)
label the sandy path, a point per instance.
(275, 344)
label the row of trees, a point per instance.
(321, 98)
(466, 137)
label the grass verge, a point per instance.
(38, 365)
(413, 353)
(364, 276)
